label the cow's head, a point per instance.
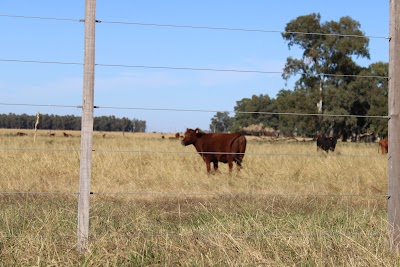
(333, 143)
(191, 136)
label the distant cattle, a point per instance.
(368, 138)
(66, 135)
(217, 147)
(383, 146)
(52, 134)
(326, 143)
(21, 134)
(177, 135)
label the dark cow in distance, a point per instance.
(217, 147)
(326, 143)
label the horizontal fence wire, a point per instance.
(203, 233)
(199, 27)
(37, 193)
(193, 69)
(39, 17)
(198, 194)
(40, 105)
(203, 110)
(139, 151)
(234, 195)
(249, 112)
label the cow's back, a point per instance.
(219, 142)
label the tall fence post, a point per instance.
(87, 126)
(394, 129)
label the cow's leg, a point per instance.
(230, 162)
(208, 165)
(239, 164)
(215, 166)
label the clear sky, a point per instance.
(158, 95)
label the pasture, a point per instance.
(155, 205)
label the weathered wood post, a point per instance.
(87, 126)
(36, 126)
(394, 128)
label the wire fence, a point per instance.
(183, 68)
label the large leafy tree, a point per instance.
(255, 110)
(329, 81)
(299, 101)
(374, 91)
(221, 122)
(327, 64)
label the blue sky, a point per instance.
(135, 45)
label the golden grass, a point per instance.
(156, 205)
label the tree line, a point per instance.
(70, 122)
(329, 82)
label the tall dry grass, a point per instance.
(155, 205)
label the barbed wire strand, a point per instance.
(196, 194)
(249, 112)
(243, 29)
(39, 17)
(241, 194)
(203, 110)
(41, 62)
(238, 71)
(199, 27)
(38, 149)
(192, 68)
(320, 155)
(200, 232)
(41, 105)
(38, 193)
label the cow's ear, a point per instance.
(198, 132)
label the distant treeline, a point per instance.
(70, 122)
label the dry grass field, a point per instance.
(155, 205)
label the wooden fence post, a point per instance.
(87, 126)
(394, 129)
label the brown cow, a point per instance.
(217, 147)
(21, 134)
(383, 146)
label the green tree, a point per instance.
(221, 122)
(376, 94)
(325, 58)
(255, 110)
(299, 101)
